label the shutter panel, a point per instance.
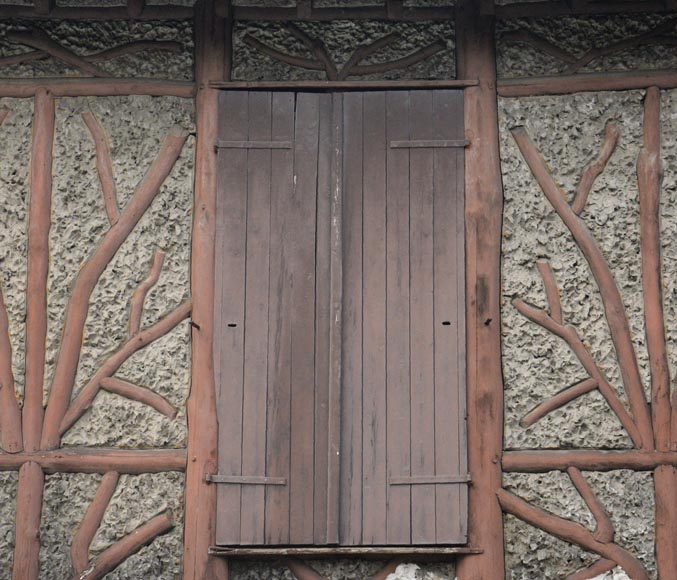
(404, 469)
(273, 282)
(340, 312)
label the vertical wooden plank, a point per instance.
(322, 315)
(483, 219)
(397, 320)
(449, 313)
(351, 403)
(336, 323)
(278, 454)
(374, 307)
(255, 390)
(421, 318)
(201, 407)
(302, 240)
(230, 266)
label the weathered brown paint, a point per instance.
(483, 220)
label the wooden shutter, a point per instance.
(341, 404)
(272, 318)
(403, 459)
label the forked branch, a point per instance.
(86, 396)
(90, 523)
(596, 167)
(126, 546)
(322, 59)
(595, 569)
(571, 532)
(104, 167)
(88, 277)
(610, 294)
(139, 296)
(604, 532)
(302, 571)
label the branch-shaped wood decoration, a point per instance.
(649, 179)
(302, 571)
(91, 521)
(610, 294)
(139, 394)
(604, 532)
(139, 296)
(655, 36)
(78, 304)
(123, 548)
(322, 59)
(596, 569)
(569, 334)
(135, 343)
(572, 533)
(37, 39)
(126, 49)
(595, 168)
(27, 531)
(104, 166)
(10, 414)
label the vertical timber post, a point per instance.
(200, 519)
(483, 212)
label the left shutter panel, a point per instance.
(271, 318)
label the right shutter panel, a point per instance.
(404, 463)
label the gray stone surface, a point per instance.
(89, 37)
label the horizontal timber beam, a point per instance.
(550, 8)
(379, 12)
(168, 12)
(373, 551)
(587, 82)
(99, 460)
(341, 85)
(585, 459)
(90, 87)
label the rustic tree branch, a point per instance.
(101, 56)
(611, 297)
(10, 414)
(605, 530)
(302, 571)
(364, 50)
(289, 59)
(39, 40)
(104, 167)
(571, 532)
(317, 48)
(404, 62)
(387, 570)
(570, 336)
(596, 569)
(113, 556)
(650, 178)
(594, 170)
(139, 296)
(39, 223)
(27, 530)
(524, 36)
(139, 394)
(78, 305)
(558, 400)
(90, 523)
(86, 396)
(551, 290)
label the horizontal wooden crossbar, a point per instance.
(342, 85)
(246, 480)
(426, 552)
(429, 144)
(540, 461)
(221, 144)
(428, 479)
(95, 87)
(99, 460)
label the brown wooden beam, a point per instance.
(329, 551)
(102, 13)
(341, 85)
(550, 9)
(200, 513)
(88, 87)
(540, 461)
(379, 12)
(27, 530)
(587, 82)
(483, 223)
(99, 460)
